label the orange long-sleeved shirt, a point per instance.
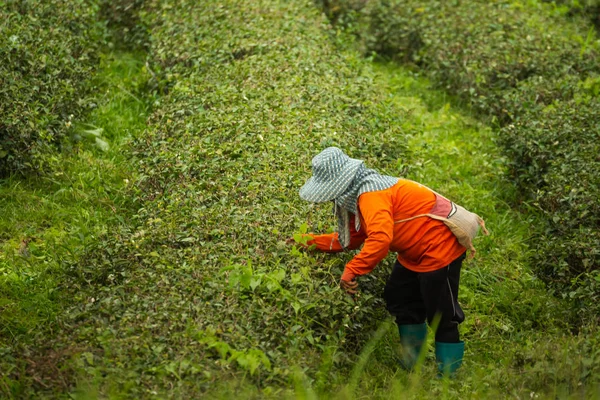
(423, 244)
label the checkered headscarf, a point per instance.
(342, 179)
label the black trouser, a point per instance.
(413, 297)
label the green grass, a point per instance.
(60, 213)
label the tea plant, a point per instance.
(48, 50)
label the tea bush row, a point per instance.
(48, 50)
(587, 9)
(123, 21)
(536, 74)
(556, 160)
(203, 287)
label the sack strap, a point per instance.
(468, 244)
(419, 216)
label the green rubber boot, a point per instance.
(412, 338)
(449, 357)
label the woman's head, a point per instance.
(333, 172)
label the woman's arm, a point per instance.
(376, 210)
(329, 243)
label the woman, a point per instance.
(384, 214)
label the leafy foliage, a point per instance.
(587, 9)
(123, 20)
(557, 161)
(48, 51)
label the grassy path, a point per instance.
(517, 343)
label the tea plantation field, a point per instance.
(151, 161)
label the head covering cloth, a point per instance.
(342, 179)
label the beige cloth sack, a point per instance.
(463, 223)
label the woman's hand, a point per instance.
(300, 245)
(292, 242)
(350, 287)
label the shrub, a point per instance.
(588, 9)
(123, 21)
(48, 51)
(554, 153)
